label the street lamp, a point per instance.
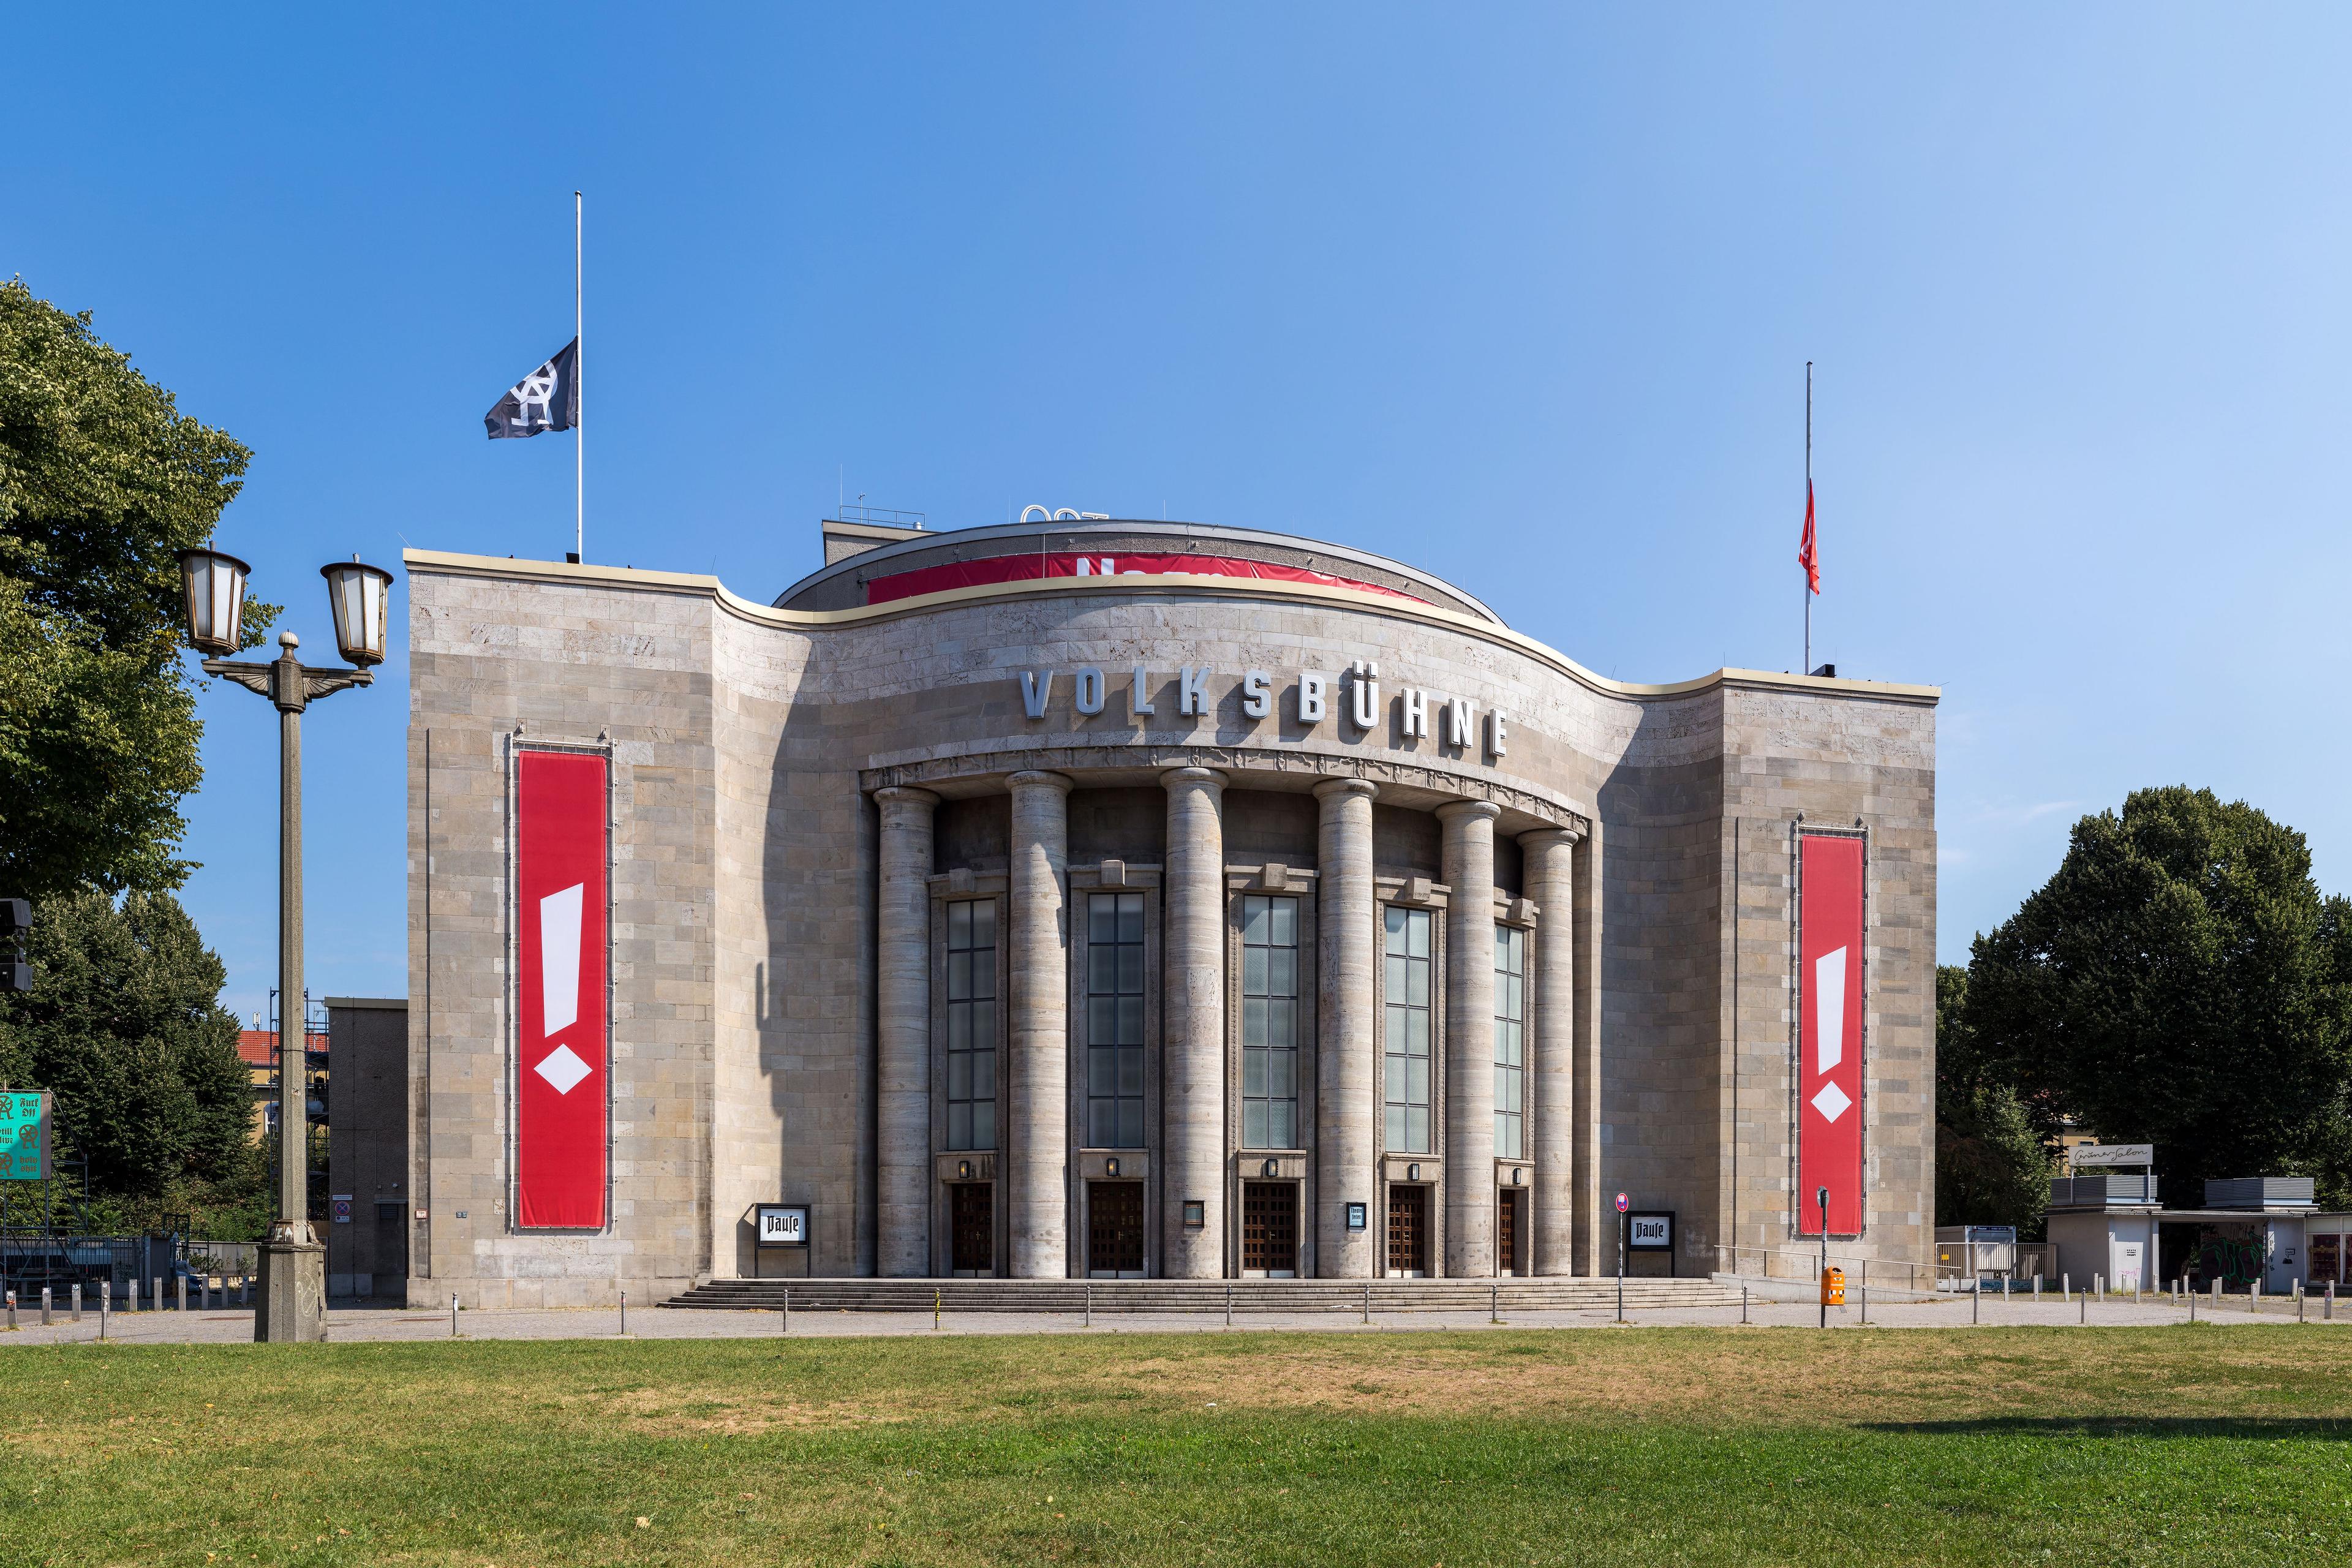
(293, 1261)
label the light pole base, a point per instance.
(293, 1305)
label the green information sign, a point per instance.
(24, 1136)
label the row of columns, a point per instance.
(1034, 1150)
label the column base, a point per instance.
(292, 1309)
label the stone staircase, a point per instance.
(1388, 1296)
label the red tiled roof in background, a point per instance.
(258, 1048)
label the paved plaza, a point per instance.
(384, 1324)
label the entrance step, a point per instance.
(1391, 1295)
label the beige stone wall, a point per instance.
(746, 744)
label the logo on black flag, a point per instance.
(546, 399)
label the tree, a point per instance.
(1992, 1167)
(124, 1027)
(101, 481)
(2179, 981)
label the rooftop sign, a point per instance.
(2083, 1154)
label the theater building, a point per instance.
(1095, 899)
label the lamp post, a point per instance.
(293, 1304)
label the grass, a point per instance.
(2108, 1445)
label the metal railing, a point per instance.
(880, 516)
(1802, 1265)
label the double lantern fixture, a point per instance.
(293, 1270)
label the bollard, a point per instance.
(788, 1310)
(2004, 1287)
(105, 1304)
(2099, 1283)
(1229, 1303)
(2327, 1308)
(130, 1294)
(2085, 1308)
(156, 1294)
(184, 1290)
(2037, 1287)
(46, 1319)
(12, 1311)
(1090, 1304)
(1494, 1302)
(2192, 1304)
(1974, 1297)
(1866, 1303)
(2065, 1287)
(453, 1314)
(935, 1309)
(76, 1300)
(2255, 1297)
(2217, 1292)
(2298, 1304)
(1368, 1303)
(625, 1315)
(1743, 1304)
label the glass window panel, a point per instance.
(1282, 971)
(1253, 1074)
(1130, 1071)
(1285, 923)
(1115, 1019)
(1392, 983)
(1102, 1123)
(1395, 1086)
(1282, 1022)
(1284, 1134)
(1131, 969)
(1102, 919)
(1417, 928)
(1254, 1124)
(1282, 1074)
(1416, 1080)
(1396, 929)
(1102, 1070)
(1131, 1020)
(971, 1024)
(1416, 984)
(1416, 1129)
(1416, 1031)
(1254, 919)
(1102, 969)
(1253, 1024)
(1130, 1123)
(1102, 1018)
(1131, 917)
(1395, 1139)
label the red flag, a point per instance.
(1809, 557)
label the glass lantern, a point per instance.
(360, 596)
(211, 585)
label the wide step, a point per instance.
(1389, 1296)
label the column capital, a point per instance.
(1030, 778)
(1332, 788)
(905, 794)
(1545, 837)
(1206, 778)
(1454, 810)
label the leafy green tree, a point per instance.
(2179, 981)
(1992, 1167)
(124, 1027)
(101, 480)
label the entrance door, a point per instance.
(1409, 1231)
(1115, 1230)
(1270, 1229)
(1507, 1234)
(972, 1227)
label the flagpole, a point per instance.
(1807, 588)
(580, 399)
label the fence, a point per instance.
(30, 1259)
(1803, 1265)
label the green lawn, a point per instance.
(2112, 1446)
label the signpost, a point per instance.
(1623, 1204)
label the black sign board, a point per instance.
(1651, 1230)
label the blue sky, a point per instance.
(1522, 297)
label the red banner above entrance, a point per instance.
(1067, 564)
(1829, 1038)
(561, 907)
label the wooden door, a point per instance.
(1115, 1229)
(1270, 1229)
(1409, 1231)
(1506, 1233)
(972, 1227)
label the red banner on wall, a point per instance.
(1828, 1036)
(1067, 564)
(562, 908)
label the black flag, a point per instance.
(546, 399)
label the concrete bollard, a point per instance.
(1743, 1301)
(1090, 1304)
(625, 1315)
(2065, 1287)
(76, 1299)
(130, 1295)
(12, 1311)
(2084, 1309)
(2099, 1284)
(453, 1314)
(105, 1305)
(2327, 1308)
(2217, 1291)
(1368, 1301)
(788, 1310)
(2255, 1297)
(2298, 1304)
(182, 1280)
(155, 1293)
(47, 1317)
(2037, 1287)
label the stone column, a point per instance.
(902, 1032)
(1551, 1047)
(1037, 1157)
(1347, 1033)
(1192, 1026)
(1469, 863)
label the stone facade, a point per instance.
(802, 791)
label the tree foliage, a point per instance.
(1992, 1167)
(2179, 981)
(101, 481)
(124, 1027)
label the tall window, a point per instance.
(1406, 1039)
(1114, 1020)
(1510, 1042)
(971, 1024)
(1269, 1023)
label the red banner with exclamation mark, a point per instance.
(1829, 1036)
(561, 1090)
